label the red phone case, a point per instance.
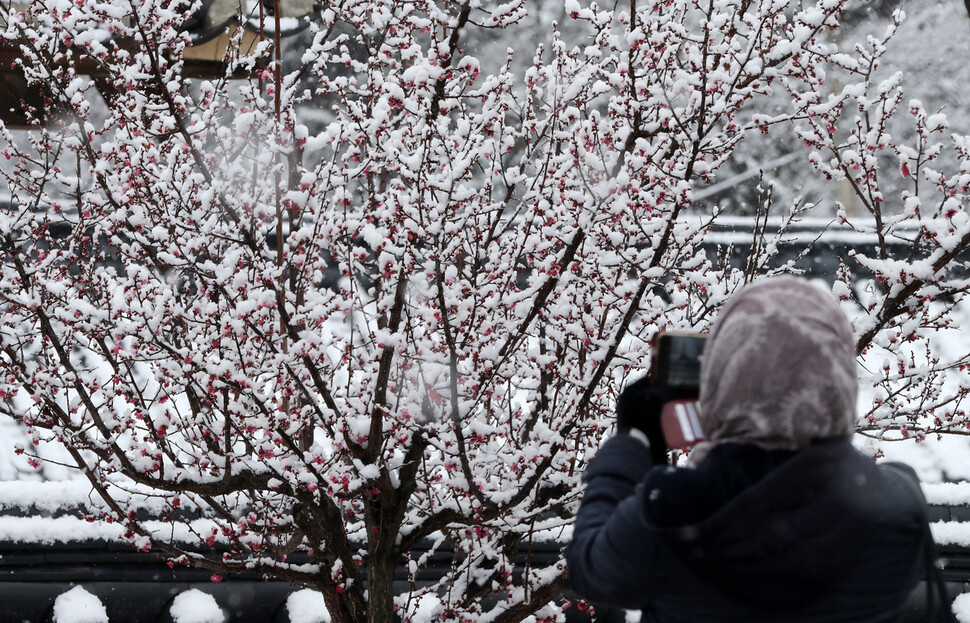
(681, 425)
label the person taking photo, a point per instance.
(778, 518)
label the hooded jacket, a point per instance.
(779, 369)
(780, 519)
(748, 535)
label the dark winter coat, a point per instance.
(748, 535)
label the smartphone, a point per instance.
(677, 364)
(677, 360)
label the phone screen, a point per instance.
(679, 360)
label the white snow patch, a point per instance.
(194, 606)
(49, 530)
(79, 606)
(55, 530)
(935, 460)
(306, 606)
(48, 496)
(961, 608)
(951, 533)
(426, 608)
(948, 493)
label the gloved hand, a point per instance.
(639, 406)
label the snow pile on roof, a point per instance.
(59, 496)
(951, 533)
(948, 493)
(194, 606)
(50, 530)
(51, 496)
(79, 606)
(306, 606)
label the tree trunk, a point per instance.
(380, 589)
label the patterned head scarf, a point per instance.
(778, 369)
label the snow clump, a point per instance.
(306, 606)
(194, 606)
(961, 608)
(79, 606)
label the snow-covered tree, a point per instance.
(400, 327)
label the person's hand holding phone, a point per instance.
(639, 407)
